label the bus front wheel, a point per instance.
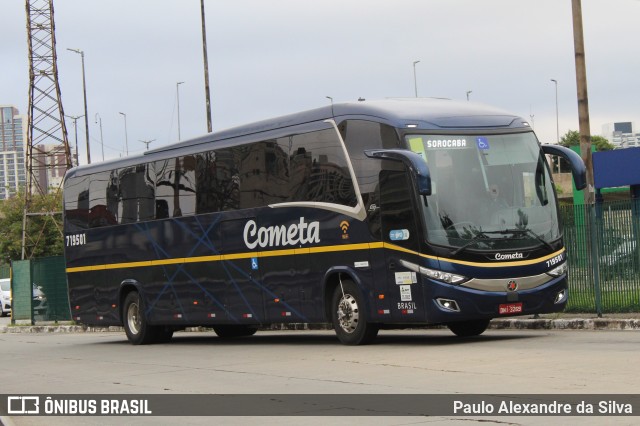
(468, 328)
(349, 315)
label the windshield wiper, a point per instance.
(527, 231)
(481, 235)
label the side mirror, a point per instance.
(416, 164)
(578, 169)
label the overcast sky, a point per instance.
(273, 57)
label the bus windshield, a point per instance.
(489, 192)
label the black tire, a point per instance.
(349, 315)
(231, 331)
(138, 331)
(468, 328)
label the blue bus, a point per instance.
(367, 215)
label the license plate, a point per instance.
(510, 308)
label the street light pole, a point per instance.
(415, 80)
(126, 137)
(101, 137)
(147, 143)
(557, 119)
(468, 93)
(75, 128)
(178, 101)
(206, 67)
(84, 91)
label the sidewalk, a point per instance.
(588, 321)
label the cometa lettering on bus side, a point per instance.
(275, 236)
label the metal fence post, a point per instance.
(595, 262)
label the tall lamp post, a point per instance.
(415, 79)
(126, 137)
(557, 119)
(178, 102)
(75, 128)
(468, 93)
(101, 137)
(147, 142)
(84, 91)
(206, 67)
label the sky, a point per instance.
(273, 57)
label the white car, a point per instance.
(5, 296)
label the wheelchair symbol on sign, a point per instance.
(254, 263)
(482, 142)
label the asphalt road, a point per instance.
(292, 362)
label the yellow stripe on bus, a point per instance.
(304, 251)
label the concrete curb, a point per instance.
(496, 324)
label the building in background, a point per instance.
(13, 140)
(49, 162)
(622, 134)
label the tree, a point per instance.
(572, 138)
(44, 231)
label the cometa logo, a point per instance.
(508, 256)
(277, 236)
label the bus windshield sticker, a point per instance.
(405, 293)
(404, 278)
(482, 142)
(254, 263)
(416, 145)
(399, 235)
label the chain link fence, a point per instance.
(603, 255)
(39, 290)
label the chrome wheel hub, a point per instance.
(133, 318)
(348, 313)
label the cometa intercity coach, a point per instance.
(366, 215)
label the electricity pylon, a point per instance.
(46, 127)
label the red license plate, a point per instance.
(510, 308)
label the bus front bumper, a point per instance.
(448, 303)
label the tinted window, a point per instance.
(76, 203)
(319, 170)
(175, 191)
(103, 196)
(136, 194)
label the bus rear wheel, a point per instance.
(138, 330)
(468, 328)
(230, 331)
(349, 315)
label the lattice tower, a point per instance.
(47, 143)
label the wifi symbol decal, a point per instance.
(344, 225)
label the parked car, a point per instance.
(40, 305)
(621, 260)
(5, 296)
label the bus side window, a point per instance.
(76, 203)
(99, 213)
(175, 182)
(319, 169)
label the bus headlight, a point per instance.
(446, 277)
(558, 270)
(435, 274)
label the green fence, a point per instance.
(5, 271)
(39, 290)
(603, 255)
